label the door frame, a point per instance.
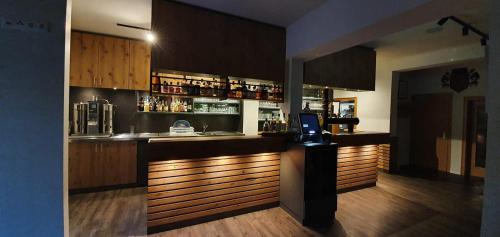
(465, 169)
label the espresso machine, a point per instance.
(93, 118)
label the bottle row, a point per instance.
(216, 87)
(192, 88)
(242, 90)
(164, 104)
(175, 104)
(276, 124)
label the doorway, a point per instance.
(430, 130)
(475, 122)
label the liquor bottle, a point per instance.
(184, 89)
(178, 89)
(197, 88)
(238, 90)
(164, 87)
(258, 92)
(203, 85)
(190, 88)
(140, 104)
(265, 94)
(146, 105)
(171, 89)
(244, 90)
(266, 127)
(156, 84)
(273, 124)
(210, 89)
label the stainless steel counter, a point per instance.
(146, 136)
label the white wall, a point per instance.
(250, 116)
(374, 107)
(33, 120)
(428, 81)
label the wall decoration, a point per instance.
(460, 79)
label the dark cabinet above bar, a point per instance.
(352, 68)
(199, 40)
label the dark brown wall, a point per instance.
(198, 40)
(126, 115)
(352, 68)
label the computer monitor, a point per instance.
(309, 124)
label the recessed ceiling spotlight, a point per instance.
(150, 37)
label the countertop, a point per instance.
(155, 136)
(360, 133)
(359, 138)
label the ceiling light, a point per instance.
(443, 21)
(150, 37)
(465, 31)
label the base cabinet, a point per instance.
(102, 164)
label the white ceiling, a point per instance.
(430, 36)
(101, 16)
(276, 12)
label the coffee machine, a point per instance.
(93, 118)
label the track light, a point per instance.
(443, 21)
(484, 42)
(465, 31)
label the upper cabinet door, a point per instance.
(352, 68)
(84, 60)
(194, 39)
(114, 60)
(140, 62)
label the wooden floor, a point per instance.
(398, 206)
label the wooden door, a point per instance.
(475, 136)
(140, 62)
(102, 164)
(83, 60)
(430, 131)
(114, 62)
(83, 157)
(119, 160)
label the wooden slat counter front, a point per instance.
(196, 179)
(360, 155)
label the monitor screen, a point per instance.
(309, 124)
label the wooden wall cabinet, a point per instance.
(102, 164)
(353, 68)
(109, 62)
(198, 40)
(140, 61)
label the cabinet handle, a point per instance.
(95, 148)
(100, 82)
(94, 81)
(101, 147)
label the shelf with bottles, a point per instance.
(164, 104)
(187, 85)
(244, 88)
(168, 104)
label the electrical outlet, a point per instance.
(23, 25)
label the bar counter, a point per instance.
(196, 179)
(360, 155)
